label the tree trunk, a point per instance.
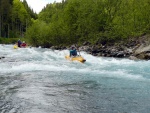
(20, 30)
(0, 27)
(26, 25)
(8, 31)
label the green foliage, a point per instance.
(37, 34)
(29, 10)
(8, 40)
(19, 11)
(15, 17)
(76, 21)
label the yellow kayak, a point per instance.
(77, 58)
(15, 46)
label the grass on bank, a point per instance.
(11, 40)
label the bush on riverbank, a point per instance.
(8, 40)
(11, 40)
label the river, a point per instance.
(37, 80)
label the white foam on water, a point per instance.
(33, 94)
(123, 74)
(38, 59)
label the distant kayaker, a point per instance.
(19, 43)
(23, 45)
(73, 52)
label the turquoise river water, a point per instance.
(36, 80)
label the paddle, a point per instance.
(78, 49)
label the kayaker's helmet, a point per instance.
(23, 41)
(72, 47)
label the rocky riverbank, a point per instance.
(134, 48)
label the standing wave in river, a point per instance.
(36, 80)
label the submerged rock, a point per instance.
(133, 58)
(2, 57)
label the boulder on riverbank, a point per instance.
(143, 52)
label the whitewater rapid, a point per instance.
(37, 80)
(37, 59)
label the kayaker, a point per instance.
(19, 43)
(73, 52)
(23, 45)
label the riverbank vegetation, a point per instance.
(12, 40)
(15, 17)
(77, 21)
(8, 40)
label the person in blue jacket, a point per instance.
(19, 43)
(73, 52)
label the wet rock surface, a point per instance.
(135, 48)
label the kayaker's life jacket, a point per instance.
(73, 53)
(23, 45)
